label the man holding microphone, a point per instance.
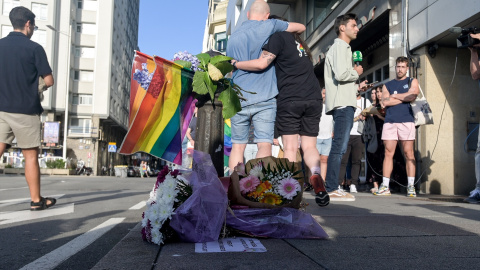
(340, 76)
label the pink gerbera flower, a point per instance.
(288, 188)
(249, 184)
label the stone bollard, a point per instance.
(209, 133)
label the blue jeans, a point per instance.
(477, 163)
(261, 115)
(343, 119)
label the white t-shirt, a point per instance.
(360, 106)
(326, 125)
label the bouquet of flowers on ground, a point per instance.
(168, 193)
(274, 183)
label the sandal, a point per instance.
(42, 204)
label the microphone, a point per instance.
(357, 57)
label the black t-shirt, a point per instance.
(22, 61)
(193, 126)
(295, 77)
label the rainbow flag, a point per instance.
(227, 141)
(161, 107)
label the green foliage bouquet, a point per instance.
(209, 80)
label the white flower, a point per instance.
(257, 171)
(145, 221)
(157, 237)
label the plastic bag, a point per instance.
(285, 223)
(201, 217)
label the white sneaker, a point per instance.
(353, 188)
(340, 188)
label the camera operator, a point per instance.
(475, 71)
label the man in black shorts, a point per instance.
(299, 101)
(22, 62)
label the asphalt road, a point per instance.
(91, 216)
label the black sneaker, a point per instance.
(474, 197)
(321, 194)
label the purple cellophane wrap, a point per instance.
(201, 217)
(276, 223)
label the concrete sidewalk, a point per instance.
(394, 232)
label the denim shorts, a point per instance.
(324, 146)
(261, 115)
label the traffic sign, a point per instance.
(112, 148)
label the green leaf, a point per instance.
(198, 84)
(219, 58)
(231, 103)
(209, 84)
(204, 59)
(184, 64)
(224, 67)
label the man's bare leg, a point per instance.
(323, 166)
(236, 155)
(32, 172)
(264, 150)
(290, 147)
(409, 157)
(388, 160)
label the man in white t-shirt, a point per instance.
(355, 147)
(324, 138)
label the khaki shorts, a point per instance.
(398, 131)
(25, 127)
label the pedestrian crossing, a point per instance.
(59, 255)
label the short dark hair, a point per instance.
(402, 59)
(19, 16)
(343, 20)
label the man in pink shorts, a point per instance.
(399, 124)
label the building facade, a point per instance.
(419, 30)
(90, 46)
(215, 37)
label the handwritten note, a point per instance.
(231, 245)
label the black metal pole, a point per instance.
(209, 133)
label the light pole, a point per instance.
(67, 91)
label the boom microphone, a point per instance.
(357, 57)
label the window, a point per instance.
(82, 99)
(87, 4)
(40, 37)
(83, 75)
(6, 29)
(40, 10)
(79, 126)
(8, 5)
(221, 41)
(386, 72)
(87, 28)
(85, 52)
(317, 12)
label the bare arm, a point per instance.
(474, 64)
(265, 59)
(48, 80)
(387, 100)
(409, 96)
(294, 27)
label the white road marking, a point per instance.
(5, 189)
(5, 203)
(59, 255)
(24, 215)
(137, 206)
